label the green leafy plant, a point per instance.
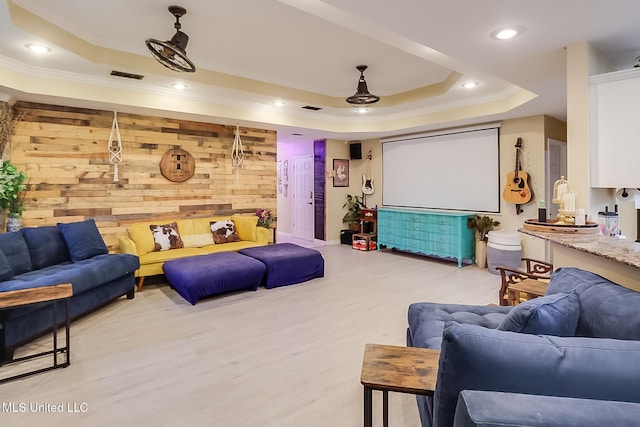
(12, 184)
(482, 225)
(353, 206)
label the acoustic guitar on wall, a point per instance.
(517, 189)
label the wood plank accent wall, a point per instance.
(64, 152)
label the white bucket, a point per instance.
(503, 250)
(504, 238)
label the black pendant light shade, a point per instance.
(362, 95)
(172, 54)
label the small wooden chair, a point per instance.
(535, 269)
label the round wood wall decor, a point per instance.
(177, 165)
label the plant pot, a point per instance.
(354, 226)
(481, 254)
(14, 224)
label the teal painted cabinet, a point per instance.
(431, 233)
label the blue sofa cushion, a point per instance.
(6, 272)
(427, 320)
(477, 358)
(46, 246)
(607, 310)
(83, 239)
(555, 314)
(83, 275)
(16, 251)
(489, 408)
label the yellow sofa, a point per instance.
(193, 232)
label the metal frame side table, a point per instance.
(55, 294)
(393, 368)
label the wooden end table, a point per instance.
(393, 368)
(530, 287)
(54, 294)
(273, 227)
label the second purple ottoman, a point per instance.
(287, 263)
(201, 276)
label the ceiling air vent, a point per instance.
(127, 75)
(312, 108)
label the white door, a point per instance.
(303, 198)
(556, 165)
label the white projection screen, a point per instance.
(454, 170)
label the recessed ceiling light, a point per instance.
(362, 110)
(470, 85)
(278, 103)
(506, 33)
(37, 48)
(179, 86)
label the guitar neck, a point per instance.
(518, 164)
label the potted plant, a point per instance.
(352, 217)
(12, 184)
(482, 225)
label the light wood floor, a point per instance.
(285, 357)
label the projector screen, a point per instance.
(454, 170)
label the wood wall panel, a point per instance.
(63, 150)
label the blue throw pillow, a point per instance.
(6, 272)
(555, 314)
(16, 251)
(83, 239)
(46, 246)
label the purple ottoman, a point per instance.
(201, 276)
(287, 263)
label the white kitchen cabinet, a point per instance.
(615, 129)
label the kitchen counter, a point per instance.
(615, 259)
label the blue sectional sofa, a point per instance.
(580, 341)
(491, 408)
(44, 256)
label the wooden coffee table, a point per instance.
(393, 368)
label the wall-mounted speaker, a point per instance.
(355, 150)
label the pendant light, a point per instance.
(362, 95)
(172, 53)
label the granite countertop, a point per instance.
(623, 251)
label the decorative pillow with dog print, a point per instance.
(166, 236)
(224, 232)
